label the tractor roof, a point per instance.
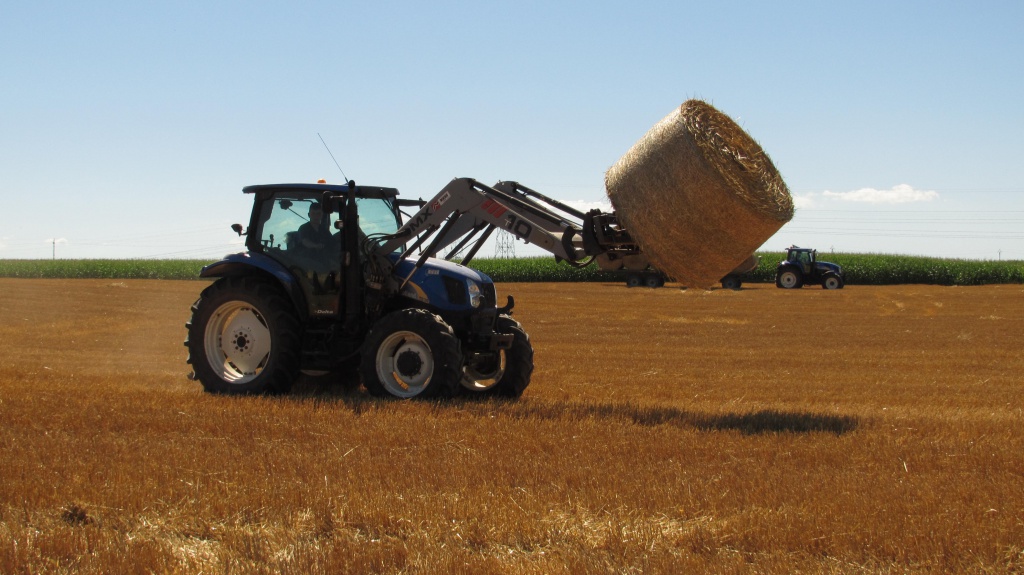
(340, 189)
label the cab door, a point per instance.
(313, 258)
(806, 263)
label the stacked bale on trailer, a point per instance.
(698, 195)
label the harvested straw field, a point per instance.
(873, 429)
(698, 194)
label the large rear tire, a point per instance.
(243, 338)
(411, 353)
(789, 279)
(507, 373)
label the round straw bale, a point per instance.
(698, 195)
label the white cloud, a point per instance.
(900, 194)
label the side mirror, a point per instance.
(237, 228)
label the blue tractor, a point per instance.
(338, 279)
(802, 266)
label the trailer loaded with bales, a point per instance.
(355, 281)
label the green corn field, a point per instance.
(860, 269)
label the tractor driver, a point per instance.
(804, 259)
(314, 234)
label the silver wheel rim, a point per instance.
(788, 280)
(831, 283)
(476, 381)
(405, 364)
(237, 342)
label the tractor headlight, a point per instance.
(475, 299)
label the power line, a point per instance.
(948, 234)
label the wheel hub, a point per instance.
(238, 342)
(484, 372)
(404, 364)
(408, 363)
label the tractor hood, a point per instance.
(445, 285)
(829, 266)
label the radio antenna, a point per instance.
(332, 156)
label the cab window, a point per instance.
(376, 216)
(282, 219)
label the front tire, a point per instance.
(507, 373)
(411, 353)
(832, 281)
(243, 338)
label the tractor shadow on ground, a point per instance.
(752, 423)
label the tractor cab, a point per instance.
(303, 228)
(802, 258)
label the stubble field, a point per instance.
(873, 429)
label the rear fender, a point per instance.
(785, 266)
(258, 264)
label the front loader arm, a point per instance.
(465, 212)
(465, 208)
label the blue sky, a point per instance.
(128, 129)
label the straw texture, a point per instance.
(698, 194)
